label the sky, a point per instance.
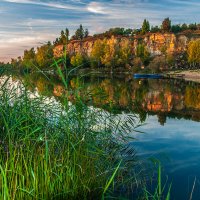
(30, 23)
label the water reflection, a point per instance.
(162, 97)
(170, 109)
(177, 146)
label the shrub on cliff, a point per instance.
(29, 58)
(98, 52)
(194, 52)
(78, 60)
(44, 55)
(111, 53)
(145, 26)
(166, 25)
(157, 64)
(143, 53)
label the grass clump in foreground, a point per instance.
(53, 151)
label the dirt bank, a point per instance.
(190, 75)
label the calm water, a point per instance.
(169, 109)
(177, 146)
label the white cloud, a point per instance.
(19, 40)
(19, 29)
(47, 4)
(96, 7)
(30, 22)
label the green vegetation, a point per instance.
(116, 50)
(143, 53)
(194, 52)
(98, 52)
(80, 33)
(70, 150)
(145, 27)
(33, 60)
(63, 39)
(166, 25)
(77, 60)
(49, 154)
(28, 58)
(60, 151)
(160, 190)
(116, 32)
(44, 56)
(4, 65)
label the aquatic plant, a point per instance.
(60, 151)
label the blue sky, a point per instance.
(29, 23)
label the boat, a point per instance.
(153, 76)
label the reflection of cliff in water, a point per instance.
(163, 97)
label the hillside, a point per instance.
(156, 43)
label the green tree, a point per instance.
(111, 51)
(145, 26)
(67, 34)
(128, 32)
(56, 42)
(184, 27)
(115, 31)
(98, 52)
(77, 60)
(143, 53)
(176, 28)
(194, 52)
(44, 55)
(125, 54)
(86, 33)
(155, 29)
(29, 58)
(64, 37)
(79, 34)
(166, 25)
(192, 26)
(16, 63)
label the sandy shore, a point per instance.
(190, 75)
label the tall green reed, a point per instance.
(161, 191)
(51, 151)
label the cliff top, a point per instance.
(187, 33)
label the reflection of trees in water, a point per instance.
(44, 87)
(142, 115)
(162, 118)
(140, 93)
(192, 97)
(166, 97)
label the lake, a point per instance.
(169, 110)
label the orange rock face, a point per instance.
(159, 43)
(156, 43)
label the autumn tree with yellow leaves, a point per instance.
(125, 53)
(77, 60)
(194, 52)
(44, 55)
(98, 52)
(111, 51)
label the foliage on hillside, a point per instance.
(107, 51)
(194, 52)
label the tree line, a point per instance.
(107, 51)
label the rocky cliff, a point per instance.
(156, 43)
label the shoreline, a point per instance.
(188, 75)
